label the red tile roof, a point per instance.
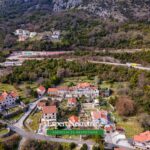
(83, 85)
(108, 127)
(99, 114)
(74, 119)
(41, 104)
(64, 88)
(4, 94)
(14, 94)
(49, 109)
(41, 88)
(142, 137)
(72, 100)
(2, 98)
(52, 90)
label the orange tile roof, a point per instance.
(99, 114)
(62, 88)
(14, 94)
(2, 98)
(142, 137)
(41, 88)
(72, 100)
(49, 109)
(52, 90)
(41, 104)
(108, 127)
(83, 85)
(4, 94)
(74, 119)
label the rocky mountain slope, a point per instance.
(118, 9)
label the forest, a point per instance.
(78, 29)
(52, 72)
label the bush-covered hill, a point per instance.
(96, 23)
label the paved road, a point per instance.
(114, 64)
(119, 64)
(30, 135)
(32, 106)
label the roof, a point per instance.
(64, 88)
(41, 104)
(14, 94)
(108, 127)
(4, 94)
(74, 119)
(72, 100)
(83, 85)
(2, 98)
(142, 137)
(52, 90)
(49, 109)
(41, 88)
(99, 114)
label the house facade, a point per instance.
(100, 117)
(8, 99)
(41, 91)
(49, 116)
(142, 141)
(82, 89)
(72, 102)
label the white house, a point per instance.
(8, 99)
(41, 90)
(85, 89)
(73, 120)
(52, 91)
(32, 34)
(56, 35)
(49, 116)
(96, 102)
(142, 141)
(72, 102)
(100, 117)
(41, 104)
(82, 89)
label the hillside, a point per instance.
(98, 23)
(118, 9)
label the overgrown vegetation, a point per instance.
(3, 55)
(42, 145)
(52, 72)
(78, 29)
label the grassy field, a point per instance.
(20, 89)
(16, 117)
(34, 120)
(3, 131)
(76, 80)
(131, 125)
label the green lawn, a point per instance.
(20, 90)
(34, 120)
(16, 117)
(14, 109)
(76, 80)
(131, 125)
(3, 131)
(7, 87)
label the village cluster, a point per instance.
(91, 94)
(23, 35)
(8, 100)
(72, 95)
